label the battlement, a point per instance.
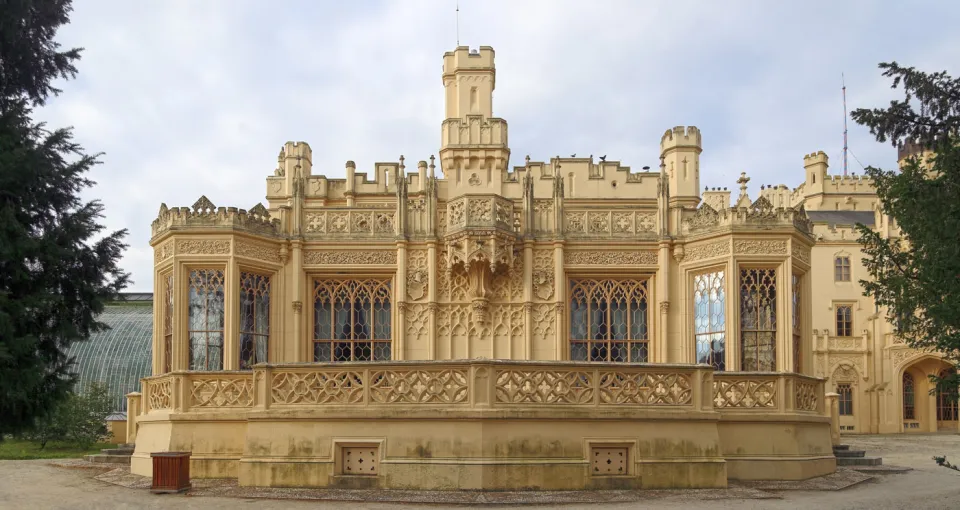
(680, 136)
(297, 149)
(815, 158)
(204, 214)
(463, 58)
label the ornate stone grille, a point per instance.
(359, 460)
(254, 319)
(758, 319)
(352, 320)
(609, 320)
(205, 319)
(709, 303)
(608, 461)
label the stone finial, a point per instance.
(203, 205)
(742, 181)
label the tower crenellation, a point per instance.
(680, 149)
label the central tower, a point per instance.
(473, 147)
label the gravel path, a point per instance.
(36, 485)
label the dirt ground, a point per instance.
(36, 484)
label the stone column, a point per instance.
(231, 321)
(400, 329)
(432, 298)
(180, 348)
(660, 354)
(298, 298)
(527, 300)
(833, 406)
(560, 289)
(133, 412)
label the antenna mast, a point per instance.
(844, 83)
(458, 25)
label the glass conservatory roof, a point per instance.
(121, 355)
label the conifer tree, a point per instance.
(917, 275)
(57, 265)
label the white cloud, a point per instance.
(189, 98)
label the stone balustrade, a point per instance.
(484, 384)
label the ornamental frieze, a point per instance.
(801, 253)
(354, 257)
(258, 251)
(706, 251)
(610, 258)
(203, 247)
(163, 252)
(755, 247)
(349, 222)
(609, 223)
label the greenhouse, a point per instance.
(121, 355)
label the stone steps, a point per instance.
(847, 457)
(101, 458)
(117, 451)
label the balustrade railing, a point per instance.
(483, 384)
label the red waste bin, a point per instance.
(171, 472)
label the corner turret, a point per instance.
(680, 150)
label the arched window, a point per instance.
(908, 407)
(946, 401)
(608, 320)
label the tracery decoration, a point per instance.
(609, 320)
(758, 319)
(254, 319)
(709, 304)
(797, 325)
(167, 322)
(352, 320)
(205, 319)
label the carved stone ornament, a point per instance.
(297, 307)
(705, 217)
(801, 253)
(258, 251)
(758, 247)
(203, 246)
(352, 257)
(610, 258)
(706, 251)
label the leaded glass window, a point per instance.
(205, 319)
(946, 400)
(908, 394)
(709, 304)
(758, 320)
(844, 320)
(845, 400)
(841, 269)
(608, 320)
(797, 325)
(167, 323)
(351, 320)
(254, 319)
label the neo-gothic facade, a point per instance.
(566, 259)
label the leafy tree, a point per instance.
(57, 266)
(917, 276)
(80, 419)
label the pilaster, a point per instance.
(527, 300)
(297, 293)
(432, 298)
(560, 289)
(400, 329)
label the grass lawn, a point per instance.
(14, 449)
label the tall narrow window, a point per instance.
(908, 408)
(846, 399)
(351, 320)
(844, 320)
(254, 319)
(841, 269)
(205, 323)
(758, 319)
(946, 401)
(608, 320)
(168, 323)
(797, 326)
(709, 302)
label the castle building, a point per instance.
(565, 324)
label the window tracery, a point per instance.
(758, 319)
(205, 319)
(352, 320)
(908, 397)
(254, 319)
(609, 320)
(168, 323)
(797, 326)
(709, 298)
(946, 400)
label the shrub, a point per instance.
(80, 419)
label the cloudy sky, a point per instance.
(196, 97)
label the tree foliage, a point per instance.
(57, 266)
(916, 275)
(80, 419)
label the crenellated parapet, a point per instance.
(761, 214)
(204, 215)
